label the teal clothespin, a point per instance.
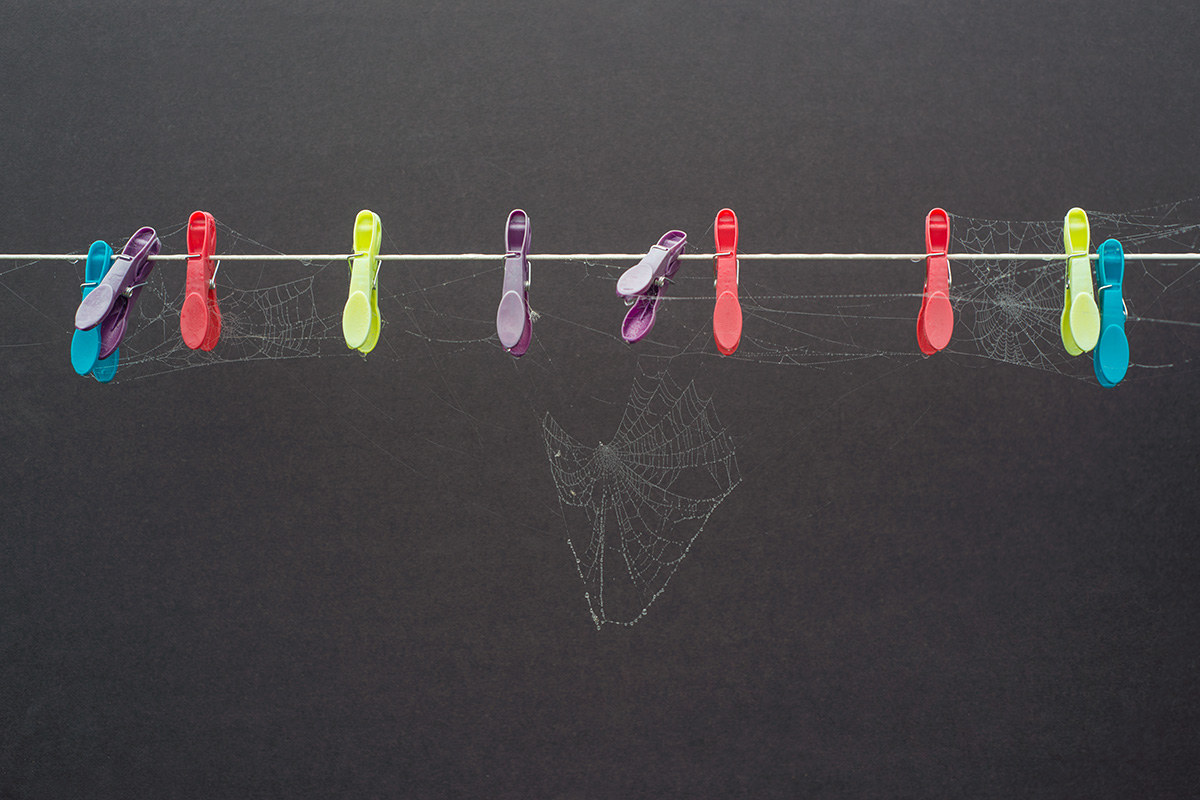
(1111, 356)
(85, 345)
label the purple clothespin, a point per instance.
(513, 324)
(643, 284)
(109, 304)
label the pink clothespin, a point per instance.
(935, 322)
(727, 313)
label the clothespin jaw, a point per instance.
(727, 313)
(643, 284)
(361, 321)
(108, 305)
(935, 321)
(1080, 321)
(1111, 355)
(200, 317)
(85, 345)
(514, 324)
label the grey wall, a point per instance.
(343, 576)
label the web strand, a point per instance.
(911, 257)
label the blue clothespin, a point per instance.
(1111, 356)
(85, 345)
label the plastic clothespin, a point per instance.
(935, 321)
(109, 303)
(514, 325)
(727, 313)
(642, 284)
(360, 319)
(1080, 318)
(85, 345)
(1111, 355)
(200, 317)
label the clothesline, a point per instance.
(622, 257)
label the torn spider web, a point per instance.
(634, 505)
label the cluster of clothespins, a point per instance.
(111, 287)
(641, 286)
(1085, 326)
(112, 284)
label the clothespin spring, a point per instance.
(737, 274)
(350, 264)
(528, 269)
(1124, 305)
(949, 272)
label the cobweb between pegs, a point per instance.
(269, 314)
(437, 309)
(846, 316)
(1010, 311)
(821, 328)
(261, 319)
(855, 315)
(634, 505)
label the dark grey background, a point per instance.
(318, 578)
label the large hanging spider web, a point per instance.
(635, 504)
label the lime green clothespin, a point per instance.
(1080, 316)
(360, 319)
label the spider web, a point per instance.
(645, 495)
(1006, 311)
(816, 329)
(634, 505)
(261, 319)
(1010, 311)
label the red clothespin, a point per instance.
(935, 322)
(200, 318)
(727, 314)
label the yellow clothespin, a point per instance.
(1080, 316)
(360, 319)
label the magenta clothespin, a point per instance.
(109, 304)
(727, 313)
(643, 284)
(513, 323)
